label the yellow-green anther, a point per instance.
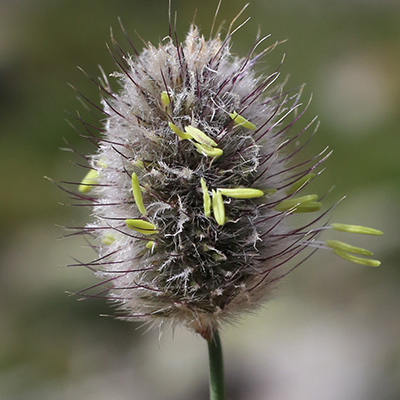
(241, 193)
(299, 183)
(337, 245)
(199, 136)
(218, 207)
(165, 99)
(142, 164)
(108, 239)
(287, 204)
(219, 257)
(137, 194)
(139, 164)
(206, 198)
(101, 164)
(311, 206)
(356, 229)
(91, 178)
(357, 260)
(182, 135)
(150, 244)
(239, 120)
(138, 225)
(208, 150)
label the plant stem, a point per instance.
(217, 386)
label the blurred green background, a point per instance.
(331, 332)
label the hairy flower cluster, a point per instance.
(194, 185)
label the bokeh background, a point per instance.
(333, 330)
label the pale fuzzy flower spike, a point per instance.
(194, 184)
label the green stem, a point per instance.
(217, 387)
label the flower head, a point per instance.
(195, 182)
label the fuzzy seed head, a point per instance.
(195, 185)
